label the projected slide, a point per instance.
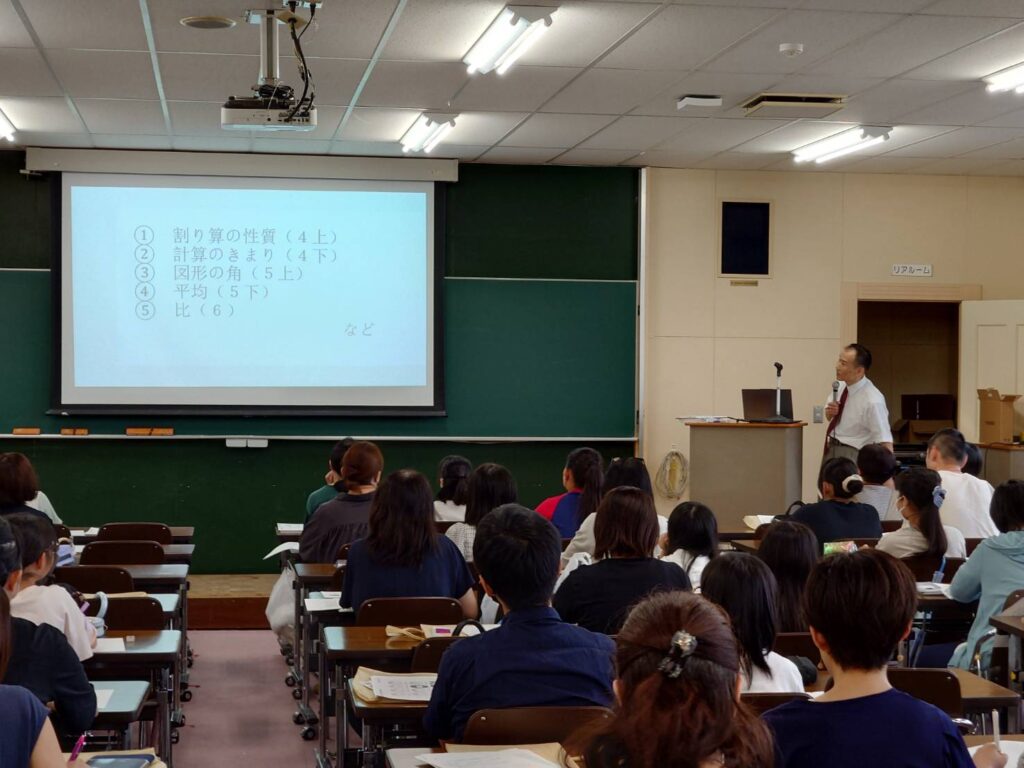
(260, 292)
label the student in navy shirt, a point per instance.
(403, 555)
(533, 659)
(859, 607)
(838, 516)
(582, 479)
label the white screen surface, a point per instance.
(214, 291)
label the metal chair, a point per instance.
(530, 725)
(132, 613)
(409, 611)
(157, 532)
(95, 578)
(122, 553)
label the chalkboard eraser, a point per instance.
(26, 431)
(68, 431)
(163, 431)
(149, 431)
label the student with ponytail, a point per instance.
(583, 479)
(837, 516)
(920, 496)
(678, 668)
(450, 502)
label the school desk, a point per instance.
(174, 554)
(378, 715)
(405, 757)
(167, 579)
(124, 707)
(85, 756)
(308, 577)
(1014, 627)
(180, 534)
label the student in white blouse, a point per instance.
(692, 539)
(920, 496)
(490, 486)
(745, 587)
(51, 605)
(453, 477)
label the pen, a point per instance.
(995, 728)
(81, 743)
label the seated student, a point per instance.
(790, 550)
(18, 485)
(630, 471)
(453, 476)
(582, 479)
(345, 518)
(41, 659)
(993, 571)
(533, 659)
(490, 486)
(968, 498)
(333, 484)
(678, 670)
(598, 596)
(877, 465)
(27, 738)
(860, 606)
(975, 463)
(920, 498)
(692, 539)
(837, 516)
(404, 555)
(745, 588)
(51, 605)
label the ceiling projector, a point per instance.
(272, 105)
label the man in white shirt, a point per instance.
(968, 498)
(858, 416)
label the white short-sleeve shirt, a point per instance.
(784, 677)
(54, 606)
(865, 416)
(966, 506)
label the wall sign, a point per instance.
(911, 270)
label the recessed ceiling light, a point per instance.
(841, 144)
(208, 22)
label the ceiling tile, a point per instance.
(335, 79)
(595, 156)
(582, 31)
(894, 98)
(901, 136)
(49, 115)
(521, 88)
(113, 25)
(105, 74)
(131, 141)
(957, 142)
(610, 91)
(171, 36)
(681, 37)
(23, 73)
(534, 155)
(47, 139)
(346, 29)
(973, 106)
(440, 30)
(822, 32)
(113, 116)
(793, 136)
(973, 62)
(718, 135)
(12, 32)
(1002, 8)
(1013, 149)
(637, 133)
(292, 145)
(867, 6)
(741, 161)
(367, 148)
(543, 130)
(955, 166)
(1013, 119)
(479, 128)
(467, 152)
(207, 76)
(421, 85)
(213, 143)
(669, 159)
(373, 125)
(1008, 168)
(734, 90)
(908, 44)
(883, 164)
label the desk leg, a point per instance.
(294, 671)
(186, 651)
(166, 699)
(341, 712)
(322, 759)
(309, 646)
(1013, 660)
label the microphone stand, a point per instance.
(778, 396)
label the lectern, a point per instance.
(740, 468)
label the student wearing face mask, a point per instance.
(919, 496)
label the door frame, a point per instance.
(851, 294)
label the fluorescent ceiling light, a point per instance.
(427, 132)
(1011, 79)
(845, 143)
(516, 29)
(7, 128)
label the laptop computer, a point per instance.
(759, 405)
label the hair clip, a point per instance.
(938, 496)
(682, 647)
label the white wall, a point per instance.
(707, 340)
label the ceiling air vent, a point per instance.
(793, 105)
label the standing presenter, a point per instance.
(856, 413)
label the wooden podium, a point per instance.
(740, 469)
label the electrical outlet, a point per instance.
(819, 414)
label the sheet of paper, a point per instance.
(290, 527)
(1014, 750)
(103, 697)
(752, 521)
(404, 688)
(932, 588)
(503, 758)
(84, 531)
(288, 546)
(446, 630)
(79, 549)
(109, 645)
(314, 604)
(334, 595)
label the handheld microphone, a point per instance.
(835, 391)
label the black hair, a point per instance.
(587, 469)
(692, 527)
(876, 463)
(918, 486)
(10, 558)
(842, 475)
(745, 587)
(950, 443)
(861, 356)
(490, 486)
(338, 453)
(631, 471)
(974, 463)
(454, 473)
(1007, 507)
(402, 529)
(35, 535)
(790, 550)
(517, 553)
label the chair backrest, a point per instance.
(888, 526)
(762, 702)
(530, 725)
(128, 613)
(972, 544)
(95, 578)
(953, 564)
(122, 553)
(797, 644)
(157, 532)
(338, 579)
(938, 687)
(62, 531)
(343, 551)
(922, 566)
(1013, 598)
(409, 611)
(427, 655)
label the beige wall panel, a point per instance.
(995, 239)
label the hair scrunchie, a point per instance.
(850, 479)
(938, 496)
(682, 647)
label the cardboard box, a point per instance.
(996, 418)
(919, 430)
